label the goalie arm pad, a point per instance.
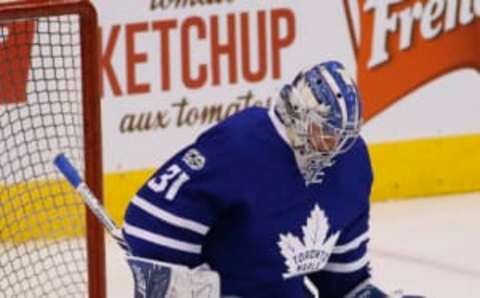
(155, 279)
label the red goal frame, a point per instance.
(11, 10)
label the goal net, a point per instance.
(50, 246)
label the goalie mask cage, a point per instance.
(50, 246)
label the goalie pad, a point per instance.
(154, 279)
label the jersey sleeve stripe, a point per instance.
(352, 245)
(170, 218)
(161, 240)
(277, 125)
(347, 267)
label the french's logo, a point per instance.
(401, 45)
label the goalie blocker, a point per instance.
(154, 279)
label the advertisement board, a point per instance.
(171, 69)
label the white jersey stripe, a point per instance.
(347, 267)
(279, 127)
(352, 245)
(161, 240)
(311, 287)
(170, 218)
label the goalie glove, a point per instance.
(154, 279)
(367, 290)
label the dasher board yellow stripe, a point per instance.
(40, 210)
(426, 167)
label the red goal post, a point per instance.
(49, 102)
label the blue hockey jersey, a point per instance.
(235, 199)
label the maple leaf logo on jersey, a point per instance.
(312, 254)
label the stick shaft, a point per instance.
(64, 165)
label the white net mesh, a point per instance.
(42, 220)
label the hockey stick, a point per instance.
(71, 174)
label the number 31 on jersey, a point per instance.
(171, 181)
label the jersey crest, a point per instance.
(311, 254)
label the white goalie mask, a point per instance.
(321, 110)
